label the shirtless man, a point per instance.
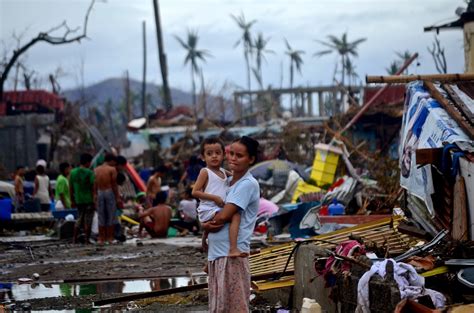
(153, 185)
(160, 214)
(106, 191)
(19, 191)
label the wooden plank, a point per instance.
(429, 156)
(395, 79)
(460, 226)
(459, 103)
(449, 108)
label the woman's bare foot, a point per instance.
(206, 268)
(236, 253)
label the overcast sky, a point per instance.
(115, 32)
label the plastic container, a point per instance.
(336, 208)
(310, 306)
(6, 209)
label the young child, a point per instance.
(211, 188)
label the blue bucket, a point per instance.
(6, 209)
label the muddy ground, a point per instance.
(59, 261)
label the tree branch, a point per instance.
(46, 37)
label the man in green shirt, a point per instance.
(81, 184)
(62, 186)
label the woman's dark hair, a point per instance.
(109, 157)
(211, 141)
(160, 198)
(251, 145)
(62, 167)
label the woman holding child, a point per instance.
(229, 276)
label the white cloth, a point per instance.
(215, 186)
(43, 189)
(410, 284)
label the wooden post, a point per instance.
(469, 46)
(460, 226)
(144, 111)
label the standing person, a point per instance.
(19, 191)
(42, 190)
(153, 185)
(81, 185)
(160, 215)
(229, 277)
(211, 188)
(62, 187)
(108, 198)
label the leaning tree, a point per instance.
(68, 36)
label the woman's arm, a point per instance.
(222, 217)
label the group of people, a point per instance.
(226, 208)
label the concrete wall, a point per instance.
(304, 273)
(383, 294)
(19, 135)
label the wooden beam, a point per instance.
(449, 108)
(429, 156)
(395, 79)
(459, 103)
(460, 227)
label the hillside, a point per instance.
(112, 90)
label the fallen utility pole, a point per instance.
(366, 106)
(409, 78)
(152, 294)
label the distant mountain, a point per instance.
(112, 90)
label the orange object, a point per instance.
(135, 177)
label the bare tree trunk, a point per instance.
(144, 111)
(193, 86)
(162, 58)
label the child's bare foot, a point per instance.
(236, 253)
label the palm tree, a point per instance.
(193, 55)
(246, 41)
(393, 68)
(295, 62)
(260, 49)
(342, 47)
(351, 71)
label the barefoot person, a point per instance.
(153, 186)
(229, 277)
(211, 188)
(108, 198)
(156, 220)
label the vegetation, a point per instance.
(193, 56)
(343, 48)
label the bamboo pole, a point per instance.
(396, 79)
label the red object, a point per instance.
(135, 177)
(323, 211)
(392, 94)
(31, 101)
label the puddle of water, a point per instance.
(33, 291)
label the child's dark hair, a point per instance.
(251, 145)
(189, 192)
(211, 141)
(160, 198)
(86, 158)
(20, 167)
(160, 169)
(62, 167)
